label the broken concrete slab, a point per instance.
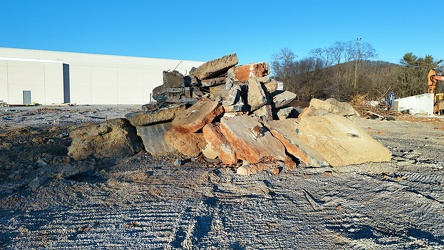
(160, 115)
(189, 144)
(230, 96)
(217, 90)
(271, 86)
(173, 79)
(215, 67)
(282, 99)
(340, 141)
(112, 138)
(196, 116)
(153, 139)
(289, 112)
(251, 141)
(329, 106)
(236, 108)
(243, 72)
(265, 113)
(256, 95)
(213, 81)
(215, 139)
(286, 132)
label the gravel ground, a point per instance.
(49, 201)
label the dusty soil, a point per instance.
(48, 200)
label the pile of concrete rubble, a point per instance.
(238, 115)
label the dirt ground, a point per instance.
(49, 201)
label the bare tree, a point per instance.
(284, 68)
(327, 72)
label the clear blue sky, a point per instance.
(205, 30)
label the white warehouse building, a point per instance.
(52, 77)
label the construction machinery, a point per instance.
(433, 77)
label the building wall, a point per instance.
(91, 79)
(44, 79)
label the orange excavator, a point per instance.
(433, 77)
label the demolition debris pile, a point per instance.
(236, 114)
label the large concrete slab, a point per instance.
(149, 117)
(285, 131)
(112, 138)
(256, 94)
(283, 98)
(217, 141)
(153, 139)
(340, 141)
(189, 144)
(213, 81)
(244, 72)
(215, 67)
(251, 141)
(196, 116)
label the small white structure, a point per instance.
(417, 104)
(52, 77)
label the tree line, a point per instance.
(347, 70)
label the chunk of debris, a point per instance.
(153, 139)
(248, 147)
(329, 106)
(215, 67)
(289, 112)
(286, 132)
(265, 113)
(165, 114)
(256, 95)
(270, 85)
(243, 73)
(189, 144)
(219, 143)
(195, 117)
(213, 81)
(340, 141)
(283, 98)
(112, 138)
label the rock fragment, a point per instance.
(253, 70)
(256, 95)
(195, 117)
(160, 115)
(250, 146)
(282, 99)
(340, 141)
(286, 132)
(215, 67)
(113, 138)
(189, 144)
(153, 139)
(217, 141)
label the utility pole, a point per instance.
(356, 60)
